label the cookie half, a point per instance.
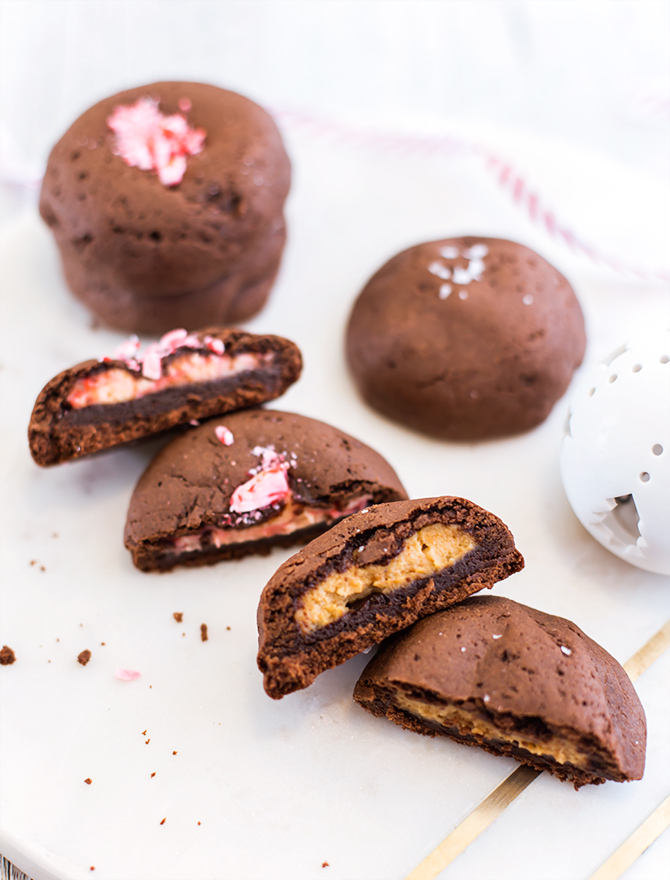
(514, 681)
(99, 404)
(246, 483)
(374, 574)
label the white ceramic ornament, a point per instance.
(615, 457)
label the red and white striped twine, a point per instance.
(506, 175)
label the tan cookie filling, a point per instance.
(119, 386)
(561, 750)
(426, 552)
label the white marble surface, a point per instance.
(282, 787)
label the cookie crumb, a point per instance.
(178, 616)
(199, 823)
(162, 821)
(84, 657)
(103, 643)
(174, 753)
(92, 868)
(33, 562)
(7, 656)
(203, 632)
(42, 568)
(88, 780)
(144, 733)
(227, 627)
(152, 775)
(147, 741)
(325, 865)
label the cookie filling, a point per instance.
(427, 552)
(119, 385)
(470, 723)
(149, 140)
(293, 516)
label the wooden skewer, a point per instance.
(637, 843)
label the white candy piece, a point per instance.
(615, 457)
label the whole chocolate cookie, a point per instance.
(243, 484)
(465, 338)
(514, 681)
(97, 405)
(374, 574)
(166, 203)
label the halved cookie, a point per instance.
(243, 484)
(185, 376)
(372, 575)
(514, 681)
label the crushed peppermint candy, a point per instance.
(150, 363)
(566, 651)
(149, 140)
(225, 435)
(445, 290)
(127, 674)
(496, 636)
(268, 485)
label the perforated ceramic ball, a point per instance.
(615, 457)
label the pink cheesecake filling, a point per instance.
(294, 516)
(119, 386)
(151, 141)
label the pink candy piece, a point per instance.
(148, 140)
(151, 365)
(263, 489)
(185, 104)
(128, 349)
(224, 435)
(127, 674)
(215, 345)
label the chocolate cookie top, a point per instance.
(515, 662)
(206, 476)
(465, 338)
(161, 239)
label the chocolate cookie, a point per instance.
(184, 377)
(466, 338)
(516, 682)
(372, 575)
(246, 483)
(166, 203)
